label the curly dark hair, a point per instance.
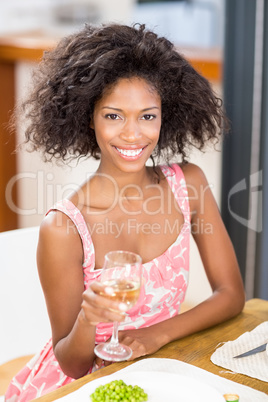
(74, 76)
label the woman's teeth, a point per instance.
(129, 152)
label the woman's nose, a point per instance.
(131, 131)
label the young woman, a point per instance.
(123, 95)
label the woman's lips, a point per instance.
(130, 153)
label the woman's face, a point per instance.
(127, 122)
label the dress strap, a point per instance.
(176, 180)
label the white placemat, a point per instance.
(222, 385)
(255, 366)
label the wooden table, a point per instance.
(194, 349)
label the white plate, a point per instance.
(160, 387)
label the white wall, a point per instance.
(199, 22)
(60, 15)
(195, 23)
(199, 288)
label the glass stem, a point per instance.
(114, 338)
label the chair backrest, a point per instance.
(24, 323)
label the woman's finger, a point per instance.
(98, 306)
(100, 363)
(102, 296)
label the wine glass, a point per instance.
(122, 271)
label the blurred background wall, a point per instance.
(188, 22)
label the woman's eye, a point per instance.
(149, 117)
(112, 116)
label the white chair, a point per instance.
(24, 323)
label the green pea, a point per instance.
(118, 391)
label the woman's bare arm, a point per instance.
(73, 312)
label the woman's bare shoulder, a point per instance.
(58, 232)
(194, 175)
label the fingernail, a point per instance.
(123, 307)
(97, 366)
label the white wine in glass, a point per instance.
(122, 271)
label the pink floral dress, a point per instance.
(165, 284)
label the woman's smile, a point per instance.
(132, 153)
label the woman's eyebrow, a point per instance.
(113, 108)
(149, 108)
(120, 110)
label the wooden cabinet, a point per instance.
(13, 49)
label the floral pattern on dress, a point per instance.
(163, 291)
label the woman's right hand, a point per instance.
(97, 308)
